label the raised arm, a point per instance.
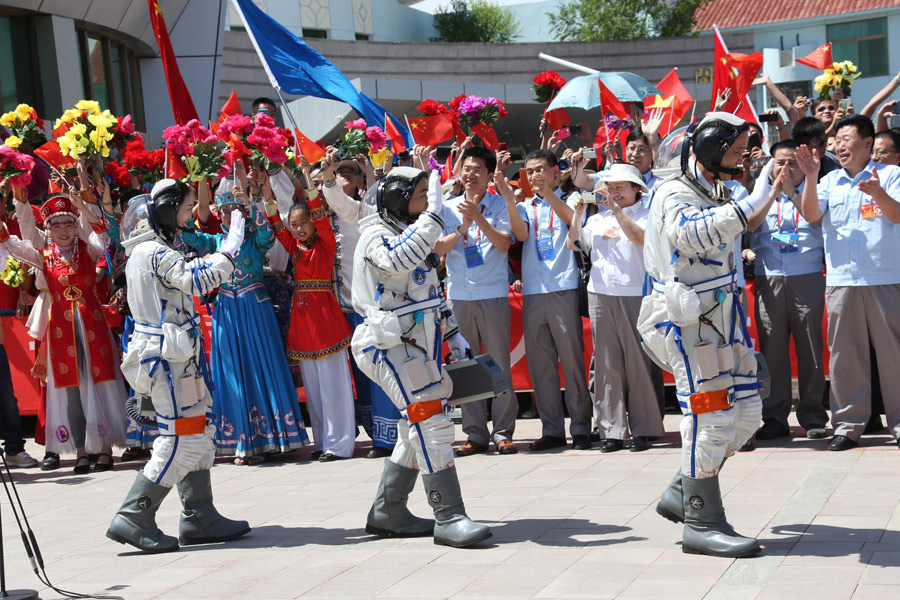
(200, 276)
(405, 251)
(882, 95)
(809, 202)
(21, 250)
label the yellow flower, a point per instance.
(67, 117)
(851, 68)
(8, 119)
(13, 141)
(72, 144)
(104, 119)
(23, 112)
(838, 77)
(380, 157)
(91, 106)
(77, 129)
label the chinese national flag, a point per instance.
(609, 102)
(458, 131)
(448, 169)
(557, 119)
(398, 144)
(675, 99)
(238, 149)
(182, 105)
(311, 150)
(524, 185)
(428, 131)
(213, 127)
(232, 106)
(820, 59)
(488, 136)
(54, 156)
(735, 71)
(174, 167)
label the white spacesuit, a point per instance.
(396, 287)
(166, 362)
(692, 323)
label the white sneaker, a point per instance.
(22, 459)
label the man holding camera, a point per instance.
(858, 207)
(790, 296)
(477, 236)
(554, 335)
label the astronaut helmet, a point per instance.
(162, 210)
(712, 139)
(396, 190)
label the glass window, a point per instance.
(863, 42)
(17, 79)
(97, 59)
(362, 37)
(111, 75)
(315, 33)
(116, 64)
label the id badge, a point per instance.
(474, 258)
(870, 210)
(787, 242)
(545, 249)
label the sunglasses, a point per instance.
(823, 108)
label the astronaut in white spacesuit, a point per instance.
(166, 362)
(396, 287)
(692, 323)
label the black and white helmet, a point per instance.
(395, 191)
(712, 138)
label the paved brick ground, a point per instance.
(566, 525)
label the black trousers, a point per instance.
(10, 423)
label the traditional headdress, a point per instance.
(57, 208)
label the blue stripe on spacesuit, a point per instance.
(416, 425)
(168, 462)
(694, 446)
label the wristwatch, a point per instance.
(459, 230)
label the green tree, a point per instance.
(475, 21)
(593, 20)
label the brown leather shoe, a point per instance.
(470, 448)
(506, 447)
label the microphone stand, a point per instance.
(4, 593)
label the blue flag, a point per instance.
(296, 68)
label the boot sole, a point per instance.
(117, 538)
(444, 542)
(387, 533)
(667, 514)
(745, 554)
(211, 540)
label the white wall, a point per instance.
(394, 22)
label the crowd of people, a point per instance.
(567, 234)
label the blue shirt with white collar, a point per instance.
(859, 251)
(559, 272)
(490, 279)
(774, 258)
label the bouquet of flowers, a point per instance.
(840, 75)
(146, 165)
(24, 127)
(614, 123)
(15, 167)
(122, 133)
(197, 148)
(13, 274)
(429, 108)
(474, 109)
(118, 174)
(85, 130)
(546, 85)
(267, 143)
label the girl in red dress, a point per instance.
(85, 394)
(319, 334)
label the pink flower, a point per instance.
(376, 138)
(237, 124)
(126, 125)
(264, 120)
(23, 180)
(275, 154)
(357, 124)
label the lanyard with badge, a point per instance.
(545, 248)
(474, 258)
(787, 242)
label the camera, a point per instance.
(893, 121)
(574, 129)
(768, 118)
(589, 197)
(563, 164)
(589, 153)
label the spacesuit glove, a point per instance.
(760, 195)
(435, 197)
(232, 244)
(458, 346)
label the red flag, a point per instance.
(428, 131)
(238, 149)
(557, 119)
(736, 72)
(671, 87)
(524, 185)
(182, 105)
(61, 130)
(174, 167)
(820, 59)
(232, 106)
(214, 127)
(311, 150)
(488, 136)
(448, 168)
(54, 189)
(398, 144)
(458, 132)
(54, 156)
(609, 103)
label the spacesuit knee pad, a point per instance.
(705, 442)
(433, 441)
(747, 416)
(404, 454)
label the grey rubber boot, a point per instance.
(135, 523)
(671, 503)
(452, 527)
(389, 516)
(200, 522)
(705, 529)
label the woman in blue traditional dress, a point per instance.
(254, 397)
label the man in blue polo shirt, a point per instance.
(477, 236)
(554, 334)
(790, 296)
(859, 210)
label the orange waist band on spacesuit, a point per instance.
(418, 412)
(706, 402)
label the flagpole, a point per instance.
(290, 117)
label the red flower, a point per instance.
(430, 107)
(454, 104)
(550, 78)
(501, 109)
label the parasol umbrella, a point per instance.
(583, 92)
